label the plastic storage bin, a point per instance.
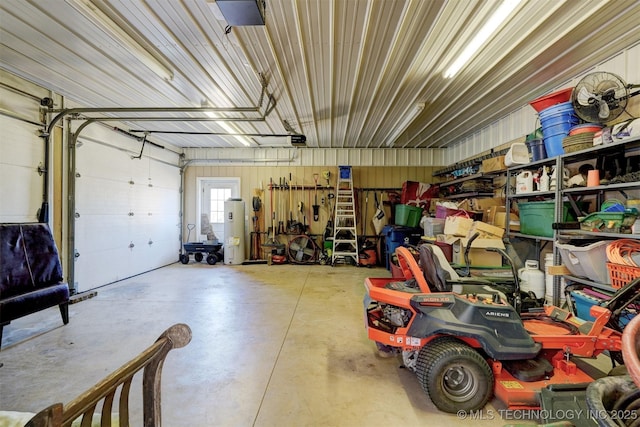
(586, 261)
(432, 226)
(394, 236)
(537, 218)
(585, 299)
(408, 216)
(621, 275)
(345, 172)
(583, 303)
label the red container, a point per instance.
(585, 128)
(552, 99)
(447, 249)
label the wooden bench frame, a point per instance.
(150, 361)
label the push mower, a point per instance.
(470, 345)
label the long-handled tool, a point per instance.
(364, 219)
(300, 205)
(272, 231)
(316, 207)
(255, 236)
(290, 221)
(280, 216)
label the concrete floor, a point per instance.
(272, 346)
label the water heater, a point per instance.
(234, 231)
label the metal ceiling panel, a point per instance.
(343, 72)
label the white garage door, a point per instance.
(127, 215)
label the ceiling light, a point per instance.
(241, 12)
(490, 27)
(101, 20)
(232, 131)
(242, 139)
(404, 124)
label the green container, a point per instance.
(537, 218)
(409, 216)
(610, 222)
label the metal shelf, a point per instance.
(626, 145)
(479, 175)
(529, 236)
(591, 235)
(601, 188)
(469, 194)
(588, 282)
(534, 165)
(533, 194)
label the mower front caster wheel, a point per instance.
(184, 259)
(455, 376)
(212, 259)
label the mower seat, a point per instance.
(441, 277)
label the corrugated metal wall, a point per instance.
(319, 157)
(524, 120)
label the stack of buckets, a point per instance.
(556, 122)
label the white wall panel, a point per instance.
(632, 70)
(21, 151)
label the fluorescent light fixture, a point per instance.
(485, 32)
(232, 131)
(101, 20)
(242, 139)
(404, 124)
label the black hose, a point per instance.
(614, 402)
(543, 318)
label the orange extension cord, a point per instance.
(621, 251)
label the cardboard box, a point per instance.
(501, 221)
(492, 212)
(486, 231)
(493, 164)
(485, 203)
(457, 226)
(479, 256)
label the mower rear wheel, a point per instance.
(454, 376)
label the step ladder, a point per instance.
(345, 238)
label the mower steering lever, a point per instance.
(517, 298)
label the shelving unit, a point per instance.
(480, 176)
(600, 192)
(571, 194)
(512, 197)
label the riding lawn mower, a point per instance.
(467, 342)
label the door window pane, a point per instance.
(218, 196)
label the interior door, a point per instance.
(213, 192)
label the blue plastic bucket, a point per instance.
(556, 123)
(537, 149)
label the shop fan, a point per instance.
(601, 97)
(302, 249)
